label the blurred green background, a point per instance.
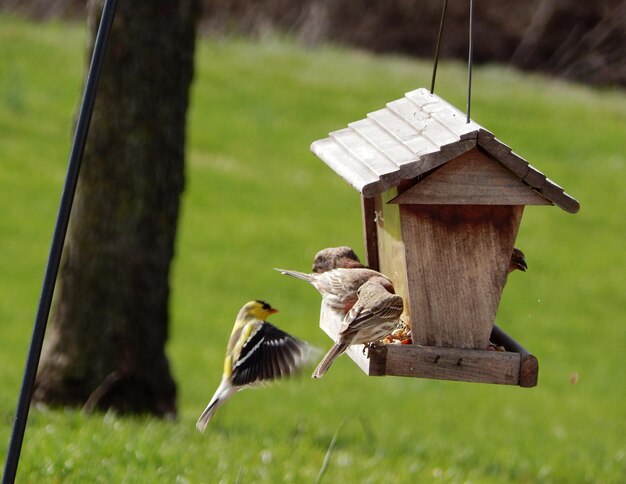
(256, 198)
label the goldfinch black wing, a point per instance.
(268, 354)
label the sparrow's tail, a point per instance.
(296, 274)
(223, 393)
(334, 352)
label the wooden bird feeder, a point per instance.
(442, 201)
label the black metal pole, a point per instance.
(58, 238)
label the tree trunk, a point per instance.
(105, 344)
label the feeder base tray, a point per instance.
(515, 366)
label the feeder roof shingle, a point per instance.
(413, 135)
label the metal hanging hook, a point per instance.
(439, 36)
(470, 55)
(470, 59)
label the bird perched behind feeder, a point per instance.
(518, 261)
(257, 352)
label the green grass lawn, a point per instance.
(256, 198)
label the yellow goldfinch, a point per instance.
(375, 315)
(257, 351)
(334, 257)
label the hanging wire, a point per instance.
(439, 36)
(58, 238)
(470, 59)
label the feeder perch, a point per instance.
(442, 200)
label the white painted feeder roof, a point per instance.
(414, 135)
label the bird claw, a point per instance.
(372, 347)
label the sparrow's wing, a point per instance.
(332, 282)
(269, 354)
(346, 281)
(360, 316)
(372, 307)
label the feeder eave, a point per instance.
(526, 172)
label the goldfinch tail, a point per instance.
(296, 274)
(223, 393)
(334, 352)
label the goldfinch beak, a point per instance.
(272, 311)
